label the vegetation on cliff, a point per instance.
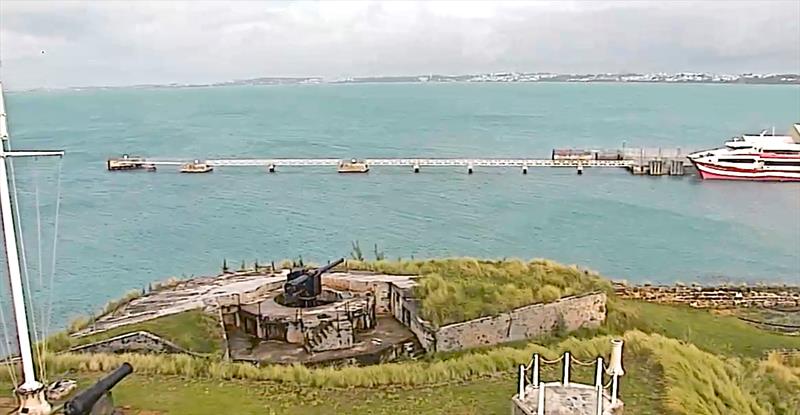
(678, 360)
(459, 289)
(663, 376)
(192, 330)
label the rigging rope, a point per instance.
(9, 364)
(42, 352)
(53, 258)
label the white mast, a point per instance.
(31, 391)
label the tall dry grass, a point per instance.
(459, 289)
(694, 381)
(416, 373)
(775, 382)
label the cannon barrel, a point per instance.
(326, 268)
(297, 281)
(83, 402)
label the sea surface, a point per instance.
(122, 230)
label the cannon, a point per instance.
(304, 285)
(86, 401)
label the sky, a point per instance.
(57, 44)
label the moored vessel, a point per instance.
(126, 162)
(760, 157)
(196, 167)
(353, 166)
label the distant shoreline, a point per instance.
(503, 77)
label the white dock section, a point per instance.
(398, 162)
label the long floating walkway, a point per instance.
(398, 162)
(655, 162)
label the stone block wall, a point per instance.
(136, 342)
(405, 311)
(346, 282)
(523, 323)
(714, 297)
(332, 336)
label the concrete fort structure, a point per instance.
(351, 316)
(569, 314)
(350, 321)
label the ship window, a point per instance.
(781, 163)
(736, 160)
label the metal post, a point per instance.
(535, 374)
(614, 386)
(540, 405)
(598, 384)
(30, 383)
(14, 273)
(615, 368)
(566, 368)
(521, 387)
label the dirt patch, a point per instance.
(8, 405)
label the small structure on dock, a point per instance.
(127, 162)
(196, 167)
(537, 397)
(353, 166)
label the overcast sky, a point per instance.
(122, 43)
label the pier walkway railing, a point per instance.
(398, 162)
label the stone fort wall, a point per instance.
(135, 342)
(526, 322)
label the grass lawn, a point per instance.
(662, 376)
(489, 396)
(715, 333)
(193, 330)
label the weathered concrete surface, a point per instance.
(191, 294)
(136, 342)
(359, 281)
(575, 399)
(242, 287)
(333, 336)
(405, 308)
(377, 342)
(588, 310)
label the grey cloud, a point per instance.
(116, 43)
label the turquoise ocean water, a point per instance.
(119, 231)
